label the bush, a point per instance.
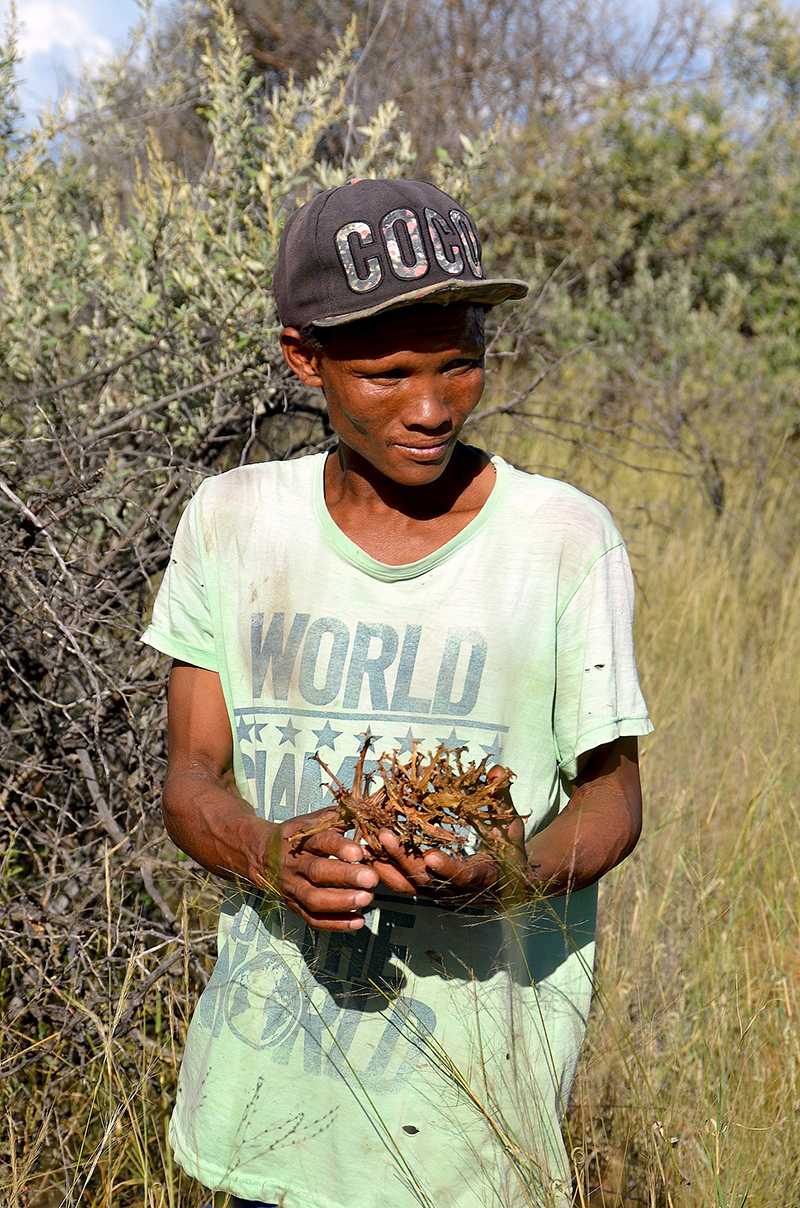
(137, 353)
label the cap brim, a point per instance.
(443, 293)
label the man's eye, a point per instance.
(466, 363)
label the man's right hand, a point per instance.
(327, 893)
(322, 878)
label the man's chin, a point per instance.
(404, 465)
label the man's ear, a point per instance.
(302, 360)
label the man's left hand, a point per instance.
(477, 878)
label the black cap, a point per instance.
(373, 245)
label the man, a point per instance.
(389, 1033)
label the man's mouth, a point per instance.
(428, 451)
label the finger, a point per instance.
(327, 910)
(393, 878)
(516, 830)
(472, 874)
(410, 864)
(418, 872)
(443, 865)
(324, 841)
(499, 780)
(336, 873)
(304, 821)
(509, 842)
(509, 837)
(331, 921)
(389, 840)
(320, 900)
(333, 843)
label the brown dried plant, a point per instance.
(431, 801)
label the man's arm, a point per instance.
(597, 829)
(208, 819)
(599, 826)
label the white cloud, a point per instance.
(53, 25)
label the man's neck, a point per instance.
(395, 523)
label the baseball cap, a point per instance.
(374, 245)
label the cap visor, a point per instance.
(443, 293)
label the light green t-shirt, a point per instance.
(426, 1059)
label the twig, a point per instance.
(124, 421)
(104, 371)
(125, 1021)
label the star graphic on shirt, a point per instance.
(495, 749)
(259, 726)
(368, 734)
(288, 731)
(326, 737)
(406, 743)
(452, 741)
(243, 729)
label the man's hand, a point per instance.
(480, 878)
(327, 892)
(323, 879)
(597, 829)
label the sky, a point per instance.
(61, 37)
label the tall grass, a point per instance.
(689, 1086)
(699, 953)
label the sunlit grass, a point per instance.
(689, 1086)
(699, 931)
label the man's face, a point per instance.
(399, 387)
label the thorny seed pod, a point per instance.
(431, 801)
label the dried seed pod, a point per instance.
(430, 801)
(361, 811)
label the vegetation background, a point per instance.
(643, 175)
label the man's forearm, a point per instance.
(597, 829)
(576, 850)
(215, 826)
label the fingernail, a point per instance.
(389, 840)
(363, 899)
(367, 879)
(356, 923)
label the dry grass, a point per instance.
(699, 954)
(689, 1087)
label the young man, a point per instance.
(389, 1034)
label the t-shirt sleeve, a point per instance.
(597, 698)
(182, 626)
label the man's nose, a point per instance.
(429, 408)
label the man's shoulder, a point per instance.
(258, 482)
(560, 507)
